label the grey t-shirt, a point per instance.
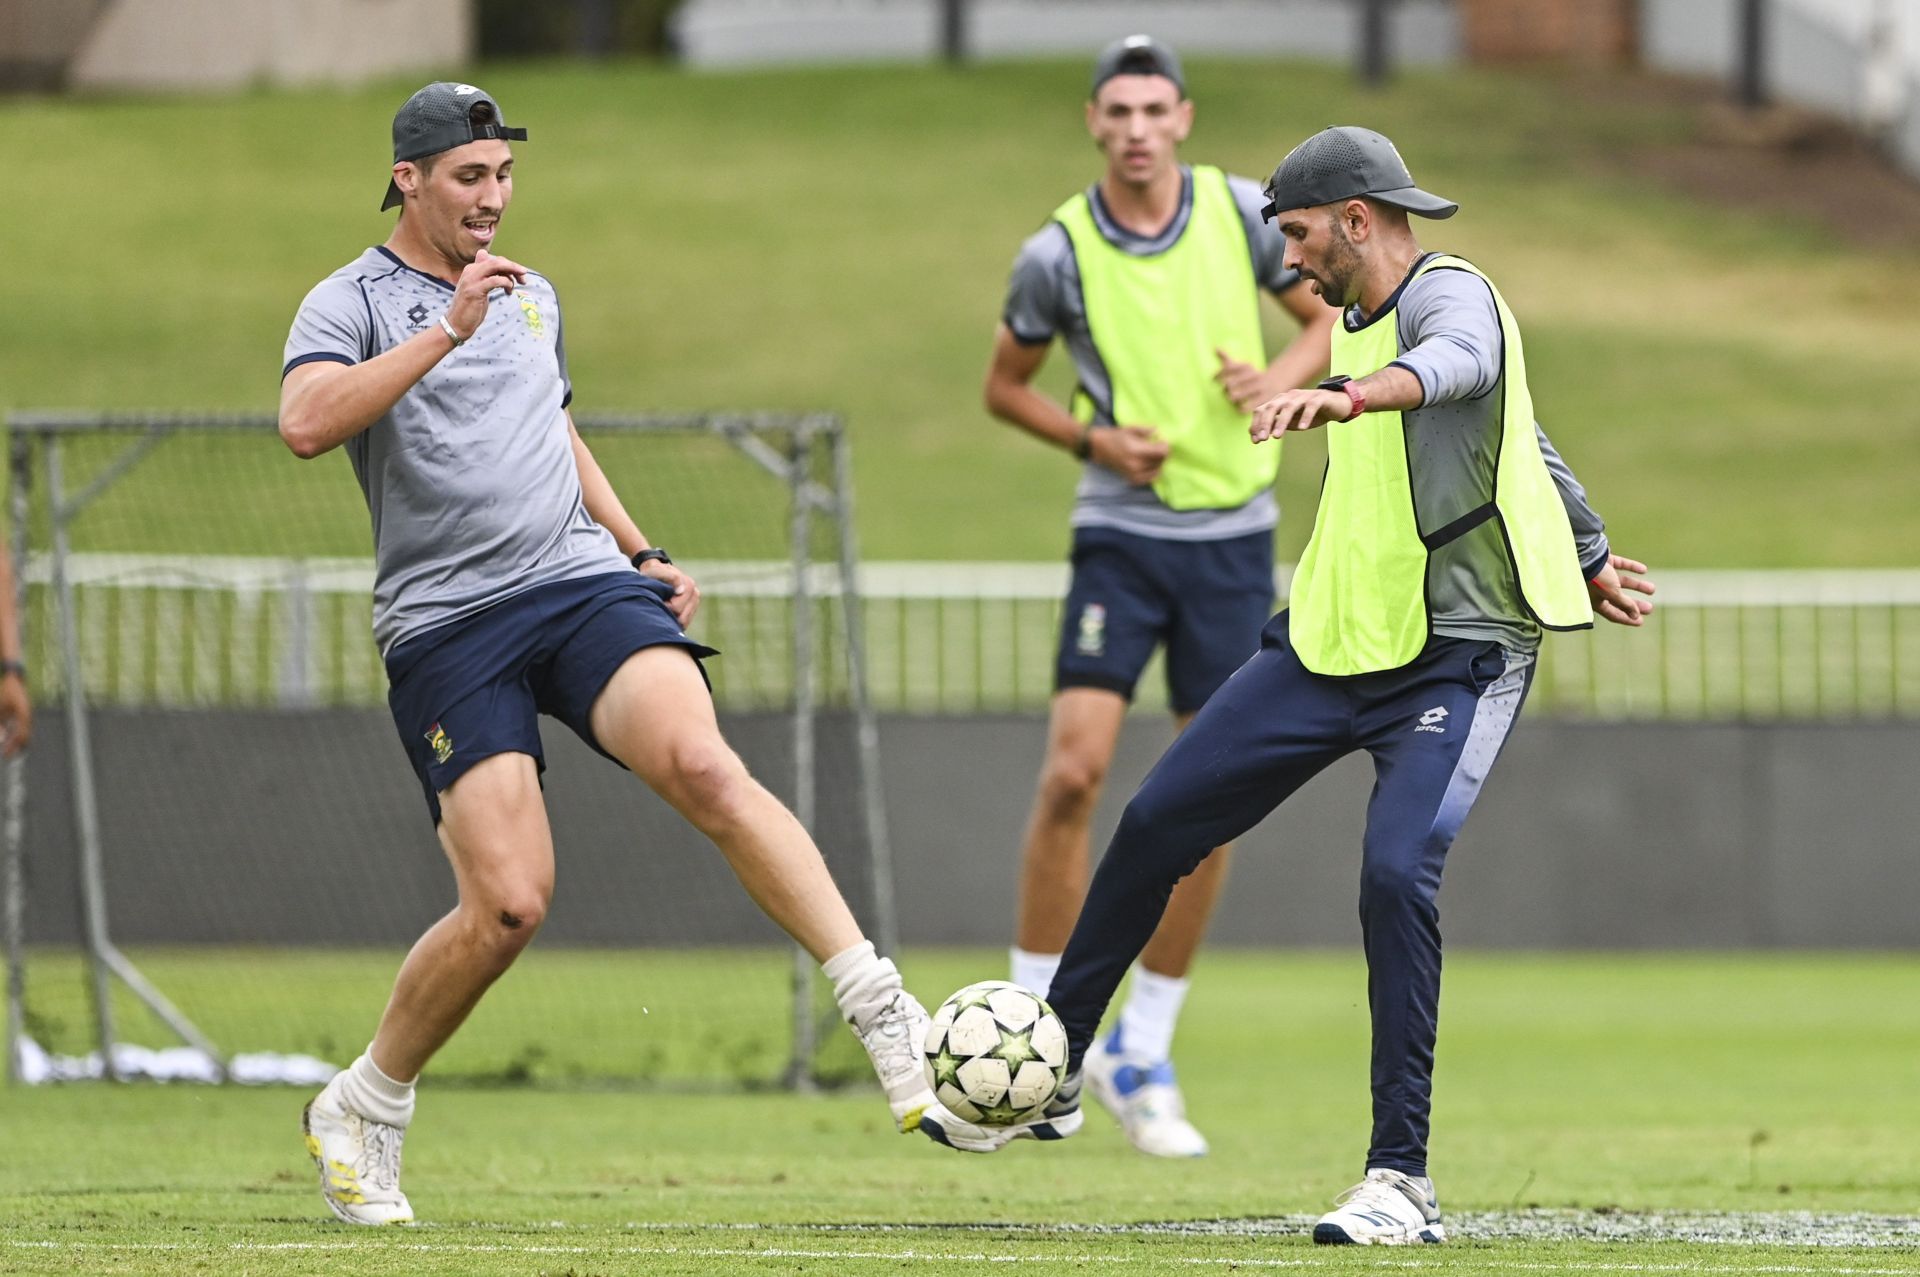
(470, 477)
(1449, 332)
(1044, 301)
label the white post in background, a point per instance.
(1883, 73)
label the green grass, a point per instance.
(1726, 1085)
(1730, 384)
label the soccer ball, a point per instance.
(996, 1053)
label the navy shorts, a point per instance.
(1206, 600)
(473, 688)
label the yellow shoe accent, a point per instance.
(910, 1120)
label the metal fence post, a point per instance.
(13, 847)
(86, 814)
(799, 444)
(886, 924)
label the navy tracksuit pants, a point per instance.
(1433, 728)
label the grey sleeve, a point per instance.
(1264, 240)
(1450, 335)
(334, 324)
(560, 349)
(1033, 312)
(1589, 529)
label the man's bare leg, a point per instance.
(494, 830)
(656, 716)
(1082, 730)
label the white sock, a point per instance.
(863, 982)
(1034, 971)
(372, 1094)
(1152, 1011)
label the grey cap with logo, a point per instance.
(439, 118)
(1137, 55)
(1345, 163)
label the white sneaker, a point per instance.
(1146, 1100)
(1386, 1208)
(358, 1159)
(894, 1038)
(1059, 1120)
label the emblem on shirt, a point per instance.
(417, 316)
(441, 742)
(1092, 640)
(1434, 720)
(531, 309)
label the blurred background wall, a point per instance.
(1856, 59)
(221, 44)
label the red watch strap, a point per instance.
(1357, 395)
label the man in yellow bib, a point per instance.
(1449, 537)
(1151, 278)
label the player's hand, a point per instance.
(1245, 384)
(686, 593)
(1614, 591)
(1135, 453)
(1298, 410)
(16, 715)
(482, 275)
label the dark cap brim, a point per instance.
(394, 197)
(1415, 200)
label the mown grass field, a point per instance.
(1766, 1101)
(1734, 386)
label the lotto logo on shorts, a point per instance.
(1093, 631)
(1434, 720)
(441, 742)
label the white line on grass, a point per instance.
(913, 1256)
(1781, 1228)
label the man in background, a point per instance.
(1151, 277)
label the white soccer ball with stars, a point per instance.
(996, 1053)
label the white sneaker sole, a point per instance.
(1326, 1234)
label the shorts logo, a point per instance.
(531, 309)
(1433, 720)
(441, 742)
(1092, 640)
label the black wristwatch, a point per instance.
(14, 667)
(652, 554)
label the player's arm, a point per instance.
(1130, 451)
(607, 510)
(324, 404)
(1453, 352)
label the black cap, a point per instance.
(1344, 163)
(439, 118)
(1137, 55)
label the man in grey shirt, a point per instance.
(510, 582)
(1151, 278)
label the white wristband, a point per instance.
(452, 336)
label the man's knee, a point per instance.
(707, 780)
(1071, 781)
(504, 917)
